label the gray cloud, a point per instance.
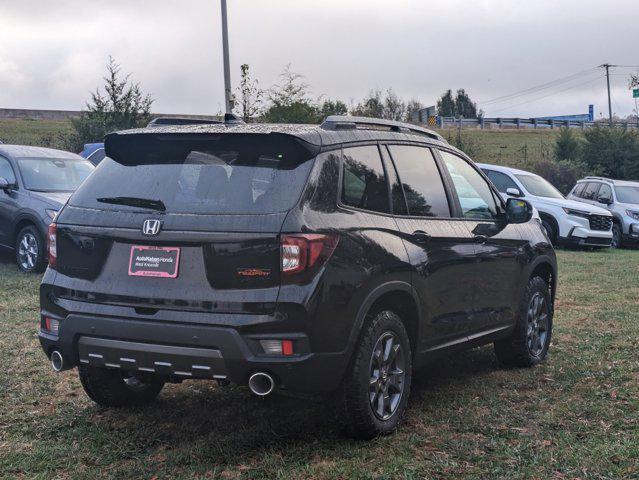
(52, 54)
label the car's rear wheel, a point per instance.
(616, 236)
(30, 250)
(377, 385)
(529, 342)
(116, 388)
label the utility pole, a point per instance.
(228, 97)
(607, 67)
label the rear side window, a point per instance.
(421, 181)
(363, 181)
(590, 192)
(502, 181)
(234, 174)
(579, 188)
(475, 196)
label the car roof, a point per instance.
(499, 168)
(26, 151)
(619, 183)
(330, 133)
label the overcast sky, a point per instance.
(53, 53)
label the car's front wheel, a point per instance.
(530, 340)
(377, 385)
(616, 236)
(30, 250)
(115, 388)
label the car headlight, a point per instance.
(632, 214)
(51, 213)
(576, 213)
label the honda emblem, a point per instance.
(151, 226)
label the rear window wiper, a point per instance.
(135, 202)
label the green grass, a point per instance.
(41, 133)
(575, 416)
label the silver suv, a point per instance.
(621, 198)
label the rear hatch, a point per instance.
(187, 222)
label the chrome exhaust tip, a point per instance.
(57, 362)
(261, 384)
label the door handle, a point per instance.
(421, 236)
(480, 239)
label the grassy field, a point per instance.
(575, 416)
(41, 133)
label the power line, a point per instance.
(538, 88)
(550, 94)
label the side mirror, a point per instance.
(5, 185)
(605, 200)
(518, 211)
(514, 192)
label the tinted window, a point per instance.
(605, 192)
(423, 187)
(579, 188)
(364, 183)
(590, 192)
(502, 181)
(6, 171)
(97, 156)
(241, 174)
(475, 196)
(53, 174)
(538, 186)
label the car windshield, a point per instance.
(53, 174)
(238, 175)
(627, 194)
(539, 187)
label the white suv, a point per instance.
(566, 222)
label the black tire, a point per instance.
(30, 250)
(550, 230)
(115, 388)
(528, 345)
(358, 395)
(616, 236)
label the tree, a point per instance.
(249, 95)
(446, 105)
(289, 101)
(412, 106)
(394, 107)
(613, 152)
(121, 106)
(371, 106)
(332, 107)
(563, 174)
(567, 146)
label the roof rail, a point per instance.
(593, 177)
(345, 122)
(162, 121)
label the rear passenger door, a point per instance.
(8, 204)
(440, 248)
(497, 268)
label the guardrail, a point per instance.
(448, 122)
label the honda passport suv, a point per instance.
(323, 260)
(620, 198)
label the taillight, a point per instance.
(52, 244)
(303, 252)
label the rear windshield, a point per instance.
(236, 175)
(53, 174)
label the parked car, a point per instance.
(620, 198)
(565, 221)
(93, 152)
(329, 260)
(34, 184)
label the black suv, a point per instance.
(332, 259)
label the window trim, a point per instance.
(499, 201)
(596, 192)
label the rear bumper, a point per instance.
(184, 351)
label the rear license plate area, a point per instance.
(150, 261)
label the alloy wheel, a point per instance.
(28, 251)
(387, 376)
(537, 329)
(616, 237)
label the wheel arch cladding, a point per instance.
(25, 222)
(547, 273)
(398, 297)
